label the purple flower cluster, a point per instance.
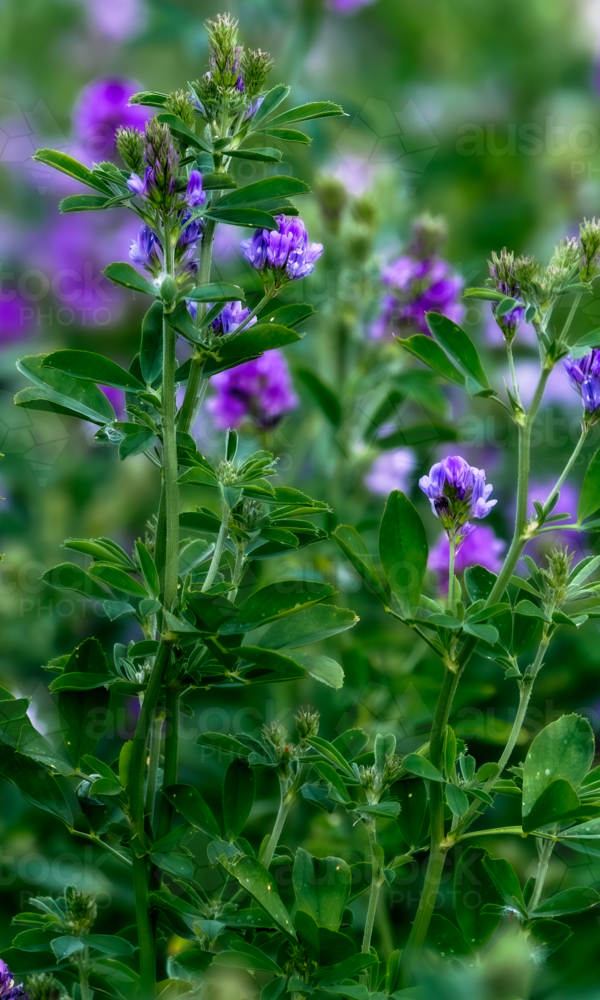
(232, 315)
(8, 990)
(101, 108)
(457, 492)
(391, 471)
(16, 317)
(414, 288)
(147, 186)
(260, 390)
(286, 251)
(147, 251)
(481, 547)
(584, 376)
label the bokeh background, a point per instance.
(487, 115)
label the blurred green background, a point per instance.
(488, 115)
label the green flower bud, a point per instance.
(81, 911)
(180, 103)
(307, 722)
(556, 577)
(255, 66)
(131, 146)
(589, 239)
(226, 473)
(43, 986)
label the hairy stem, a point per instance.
(191, 400)
(376, 881)
(545, 853)
(153, 756)
(584, 433)
(171, 760)
(451, 577)
(219, 547)
(286, 798)
(147, 989)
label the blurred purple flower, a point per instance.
(414, 288)
(8, 990)
(117, 398)
(118, 20)
(348, 6)
(260, 390)
(17, 317)
(457, 492)
(286, 251)
(480, 548)
(391, 471)
(101, 107)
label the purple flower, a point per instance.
(481, 547)
(260, 390)
(457, 492)
(231, 316)
(348, 6)
(391, 471)
(286, 251)
(584, 376)
(194, 194)
(17, 317)
(414, 288)
(101, 108)
(145, 249)
(118, 20)
(8, 990)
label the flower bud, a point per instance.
(589, 239)
(131, 146)
(226, 473)
(255, 67)
(81, 911)
(429, 233)
(307, 722)
(332, 197)
(168, 290)
(180, 103)
(43, 986)
(556, 577)
(225, 53)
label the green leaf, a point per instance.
(322, 668)
(558, 803)
(175, 864)
(149, 571)
(446, 938)
(403, 550)
(589, 501)
(480, 582)
(473, 888)
(267, 189)
(264, 155)
(257, 339)
(66, 945)
(276, 601)
(223, 744)
(308, 626)
(248, 958)
(456, 799)
(256, 880)
(218, 291)
(67, 165)
(332, 754)
(83, 203)
(270, 101)
(151, 350)
(67, 576)
(549, 935)
(459, 346)
(322, 887)
(325, 397)
(574, 900)
(83, 714)
(414, 763)
(118, 579)
(92, 368)
(135, 442)
(305, 112)
(291, 315)
(355, 550)
(487, 294)
(61, 393)
(506, 881)
(238, 797)
(35, 784)
(564, 749)
(182, 132)
(412, 796)
(190, 804)
(431, 354)
(287, 135)
(109, 944)
(124, 274)
(234, 216)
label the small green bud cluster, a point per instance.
(81, 911)
(556, 577)
(277, 736)
(181, 104)
(333, 198)
(131, 148)
(429, 233)
(307, 723)
(589, 239)
(43, 986)
(224, 50)
(227, 473)
(255, 66)
(252, 512)
(502, 273)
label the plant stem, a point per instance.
(513, 374)
(153, 755)
(82, 959)
(286, 798)
(269, 293)
(191, 400)
(171, 760)
(100, 843)
(376, 882)
(545, 852)
(451, 579)
(147, 990)
(584, 433)
(219, 546)
(238, 571)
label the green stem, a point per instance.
(137, 767)
(171, 760)
(238, 571)
(545, 853)
(100, 843)
(501, 831)
(513, 374)
(82, 959)
(191, 400)
(376, 881)
(153, 757)
(286, 798)
(269, 293)
(170, 469)
(219, 546)
(451, 578)
(147, 988)
(433, 877)
(584, 433)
